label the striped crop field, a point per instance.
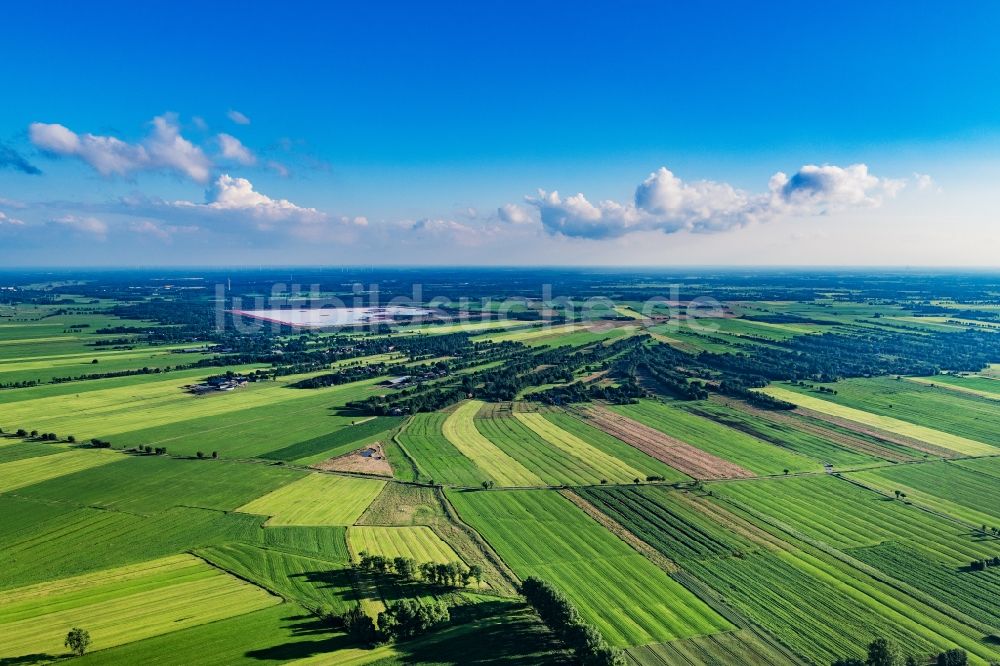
(437, 459)
(611, 445)
(754, 454)
(731, 647)
(317, 499)
(948, 440)
(630, 600)
(941, 486)
(539, 446)
(846, 516)
(419, 542)
(606, 466)
(123, 605)
(28, 471)
(460, 429)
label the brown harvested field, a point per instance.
(839, 438)
(681, 456)
(872, 431)
(368, 460)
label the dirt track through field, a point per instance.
(679, 455)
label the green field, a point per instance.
(748, 452)
(155, 410)
(123, 605)
(460, 429)
(316, 499)
(984, 386)
(346, 439)
(781, 434)
(274, 635)
(24, 472)
(614, 447)
(313, 581)
(436, 458)
(770, 581)
(846, 516)
(539, 533)
(557, 456)
(974, 593)
(943, 486)
(45, 541)
(731, 647)
(964, 423)
(418, 542)
(150, 484)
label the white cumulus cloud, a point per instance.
(232, 149)
(663, 202)
(165, 149)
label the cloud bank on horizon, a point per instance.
(663, 202)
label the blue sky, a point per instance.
(398, 133)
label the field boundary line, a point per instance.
(406, 454)
(487, 549)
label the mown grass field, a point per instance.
(418, 542)
(150, 484)
(555, 455)
(460, 429)
(943, 486)
(748, 452)
(631, 601)
(123, 605)
(27, 471)
(313, 580)
(316, 499)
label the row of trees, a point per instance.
(453, 574)
(564, 620)
(983, 564)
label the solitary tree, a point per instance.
(883, 653)
(77, 640)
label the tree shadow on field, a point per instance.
(24, 659)
(326, 640)
(503, 632)
(338, 581)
